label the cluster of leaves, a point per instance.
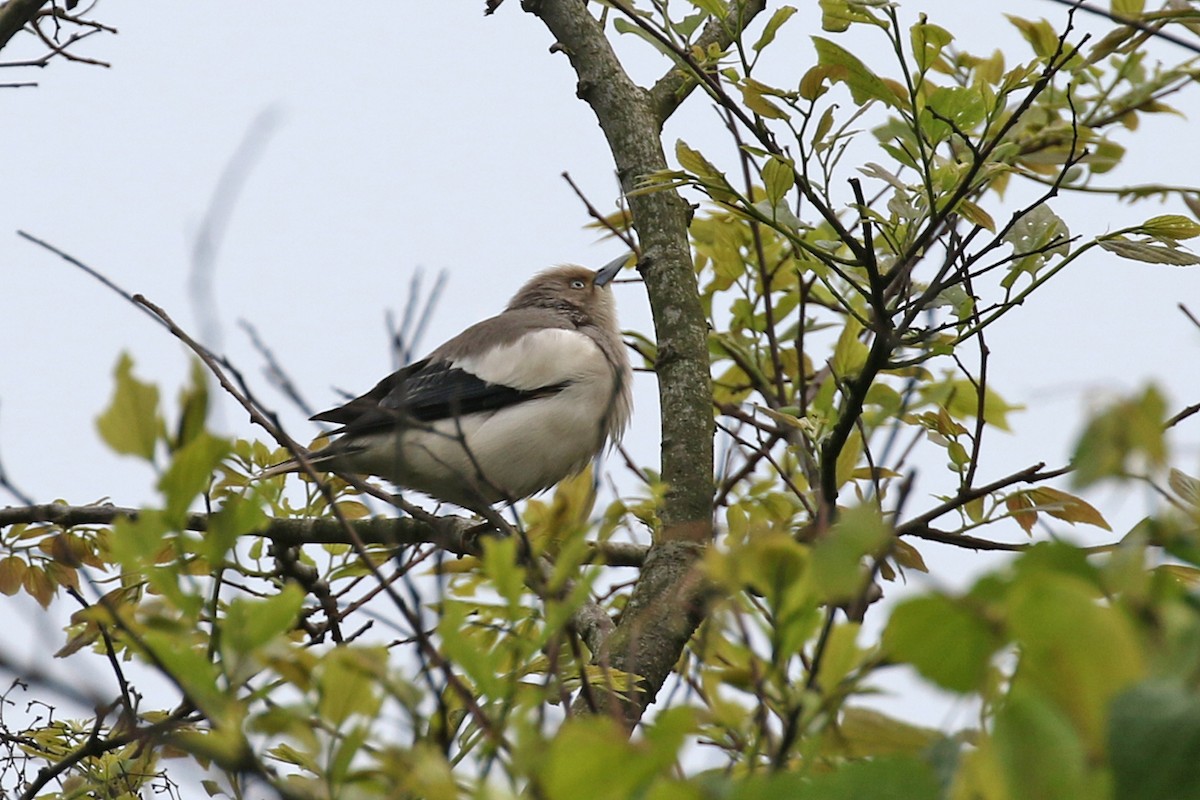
(847, 334)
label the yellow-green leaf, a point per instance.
(1021, 508)
(12, 574)
(837, 558)
(844, 66)
(716, 8)
(975, 215)
(866, 733)
(1067, 507)
(1128, 8)
(908, 556)
(781, 15)
(191, 471)
(849, 354)
(1171, 226)
(927, 43)
(250, 624)
(131, 424)
(945, 640)
(193, 406)
(779, 177)
(755, 100)
(1058, 621)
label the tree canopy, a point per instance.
(822, 292)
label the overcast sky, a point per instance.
(397, 137)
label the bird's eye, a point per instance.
(577, 284)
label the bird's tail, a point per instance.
(319, 459)
(282, 468)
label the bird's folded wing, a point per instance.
(436, 390)
(486, 368)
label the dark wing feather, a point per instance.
(426, 391)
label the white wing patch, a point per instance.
(545, 357)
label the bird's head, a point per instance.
(581, 293)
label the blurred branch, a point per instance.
(216, 221)
(7, 484)
(406, 336)
(456, 535)
(276, 374)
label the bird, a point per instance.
(506, 409)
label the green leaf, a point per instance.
(623, 25)
(591, 757)
(1057, 621)
(1040, 752)
(837, 559)
(848, 458)
(1109, 43)
(928, 40)
(500, 565)
(944, 640)
(957, 106)
(694, 162)
(190, 668)
(348, 682)
(867, 733)
(781, 15)
(1126, 436)
(974, 214)
(191, 471)
(960, 398)
(1038, 235)
(250, 624)
(886, 778)
(131, 424)
(711, 177)
(236, 517)
(1153, 741)
(715, 7)
(193, 406)
(841, 655)
(844, 66)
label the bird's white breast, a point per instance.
(520, 449)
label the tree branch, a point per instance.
(673, 88)
(456, 535)
(665, 608)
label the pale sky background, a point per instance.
(422, 135)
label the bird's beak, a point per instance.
(610, 270)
